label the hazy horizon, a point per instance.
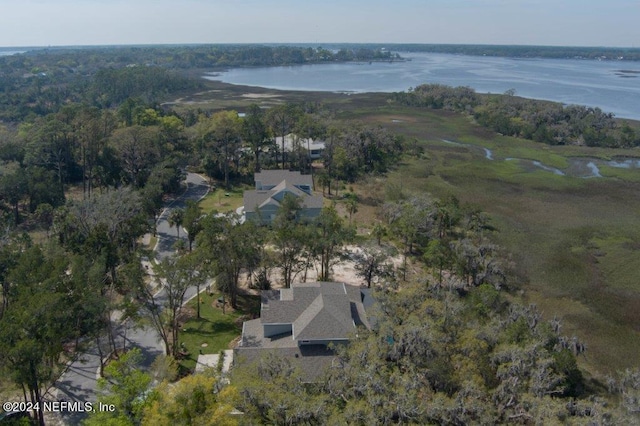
(301, 43)
(58, 23)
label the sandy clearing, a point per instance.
(259, 96)
(343, 271)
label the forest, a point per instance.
(542, 121)
(41, 81)
(89, 158)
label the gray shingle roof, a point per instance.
(255, 199)
(312, 361)
(284, 185)
(274, 177)
(328, 317)
(312, 202)
(318, 311)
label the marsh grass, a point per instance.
(628, 175)
(575, 241)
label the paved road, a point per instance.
(79, 381)
(197, 188)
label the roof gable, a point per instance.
(273, 185)
(271, 178)
(328, 317)
(317, 311)
(281, 191)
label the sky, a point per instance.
(524, 22)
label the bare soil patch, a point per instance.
(259, 95)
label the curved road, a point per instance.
(197, 188)
(79, 381)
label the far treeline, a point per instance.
(551, 52)
(41, 81)
(542, 121)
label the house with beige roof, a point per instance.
(263, 203)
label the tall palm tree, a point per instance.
(351, 203)
(176, 217)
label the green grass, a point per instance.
(214, 328)
(628, 175)
(517, 149)
(152, 242)
(223, 201)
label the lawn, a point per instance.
(214, 329)
(223, 201)
(153, 240)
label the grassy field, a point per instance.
(214, 329)
(575, 242)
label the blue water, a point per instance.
(10, 52)
(570, 81)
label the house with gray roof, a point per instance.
(300, 323)
(263, 203)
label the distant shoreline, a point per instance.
(622, 54)
(541, 79)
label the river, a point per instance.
(613, 86)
